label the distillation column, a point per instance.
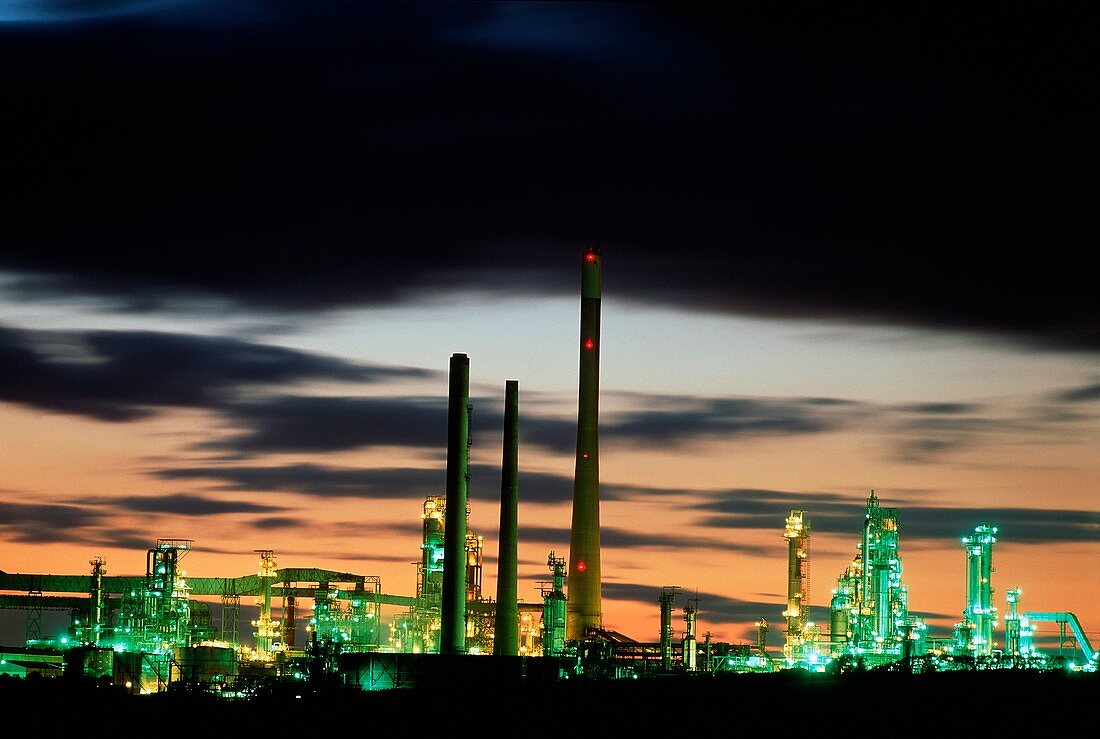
(266, 628)
(1012, 623)
(585, 610)
(97, 615)
(980, 612)
(797, 534)
(553, 609)
(762, 638)
(452, 637)
(880, 562)
(668, 596)
(506, 638)
(691, 644)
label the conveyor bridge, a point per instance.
(303, 582)
(1064, 619)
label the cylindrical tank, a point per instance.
(839, 610)
(206, 664)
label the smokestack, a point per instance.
(506, 639)
(452, 637)
(584, 611)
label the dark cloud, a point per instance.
(556, 538)
(918, 435)
(374, 529)
(46, 522)
(318, 480)
(325, 424)
(556, 434)
(927, 437)
(687, 419)
(311, 423)
(616, 538)
(535, 488)
(280, 522)
(619, 492)
(915, 432)
(332, 423)
(126, 375)
(413, 483)
(183, 504)
(1044, 526)
(834, 513)
(1082, 394)
(751, 508)
(129, 539)
(942, 409)
(867, 166)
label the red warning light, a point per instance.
(581, 566)
(588, 343)
(590, 257)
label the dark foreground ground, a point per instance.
(869, 704)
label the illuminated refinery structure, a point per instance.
(975, 632)
(150, 631)
(801, 642)
(869, 612)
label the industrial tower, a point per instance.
(975, 633)
(584, 609)
(452, 637)
(553, 609)
(870, 605)
(506, 637)
(797, 534)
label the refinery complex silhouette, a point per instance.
(152, 632)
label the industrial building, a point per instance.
(148, 632)
(163, 628)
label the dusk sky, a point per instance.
(843, 250)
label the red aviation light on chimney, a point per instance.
(581, 566)
(588, 343)
(590, 256)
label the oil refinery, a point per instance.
(161, 629)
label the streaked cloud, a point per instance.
(325, 424)
(834, 513)
(1086, 393)
(47, 522)
(316, 480)
(280, 522)
(51, 523)
(182, 504)
(129, 375)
